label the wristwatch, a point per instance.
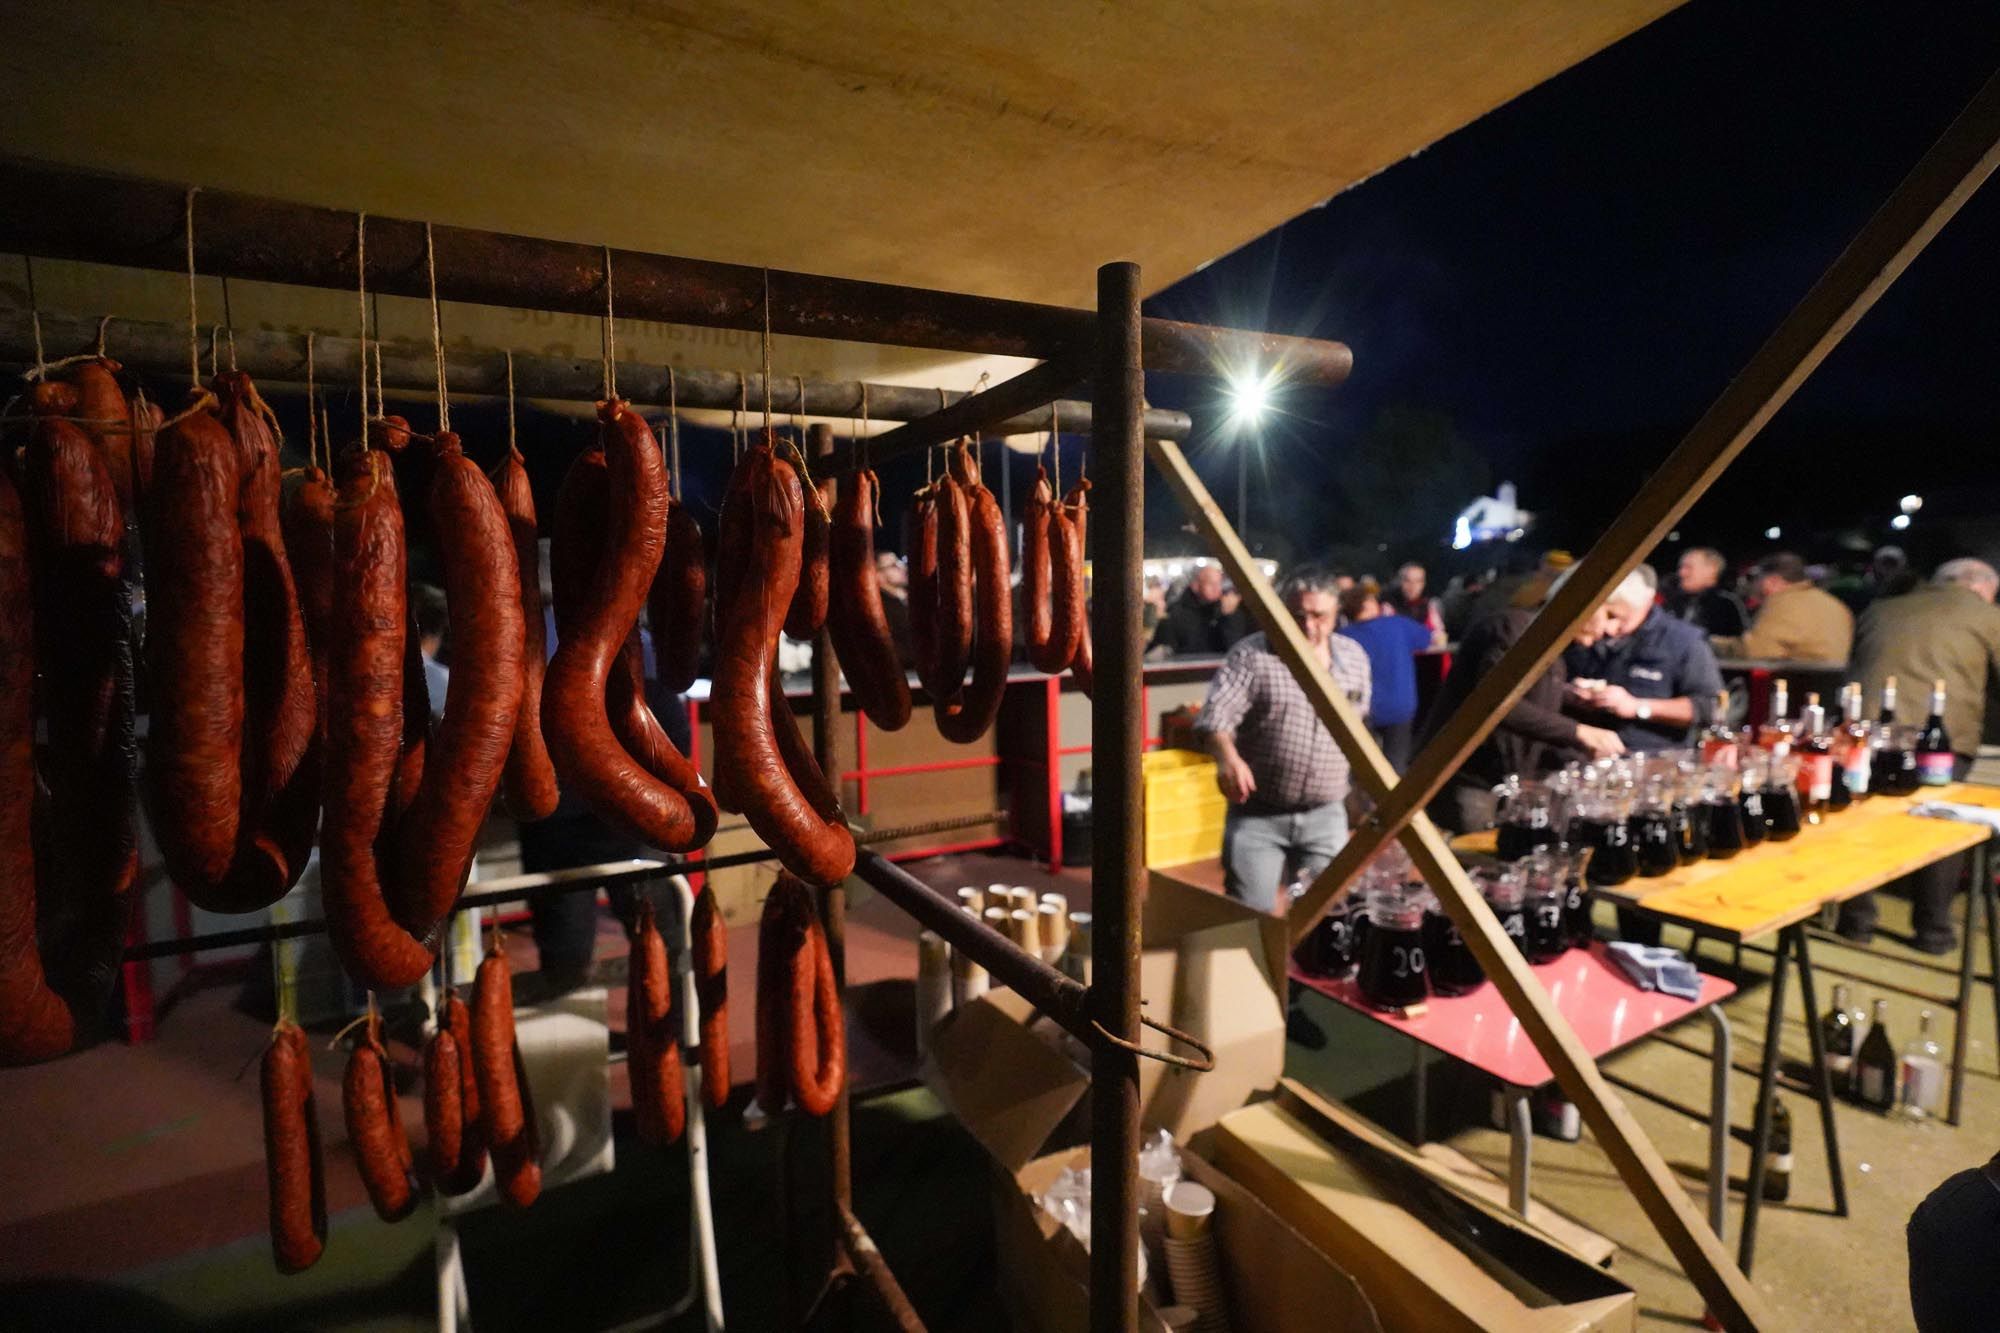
(1643, 711)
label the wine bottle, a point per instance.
(1776, 733)
(1815, 749)
(1778, 1154)
(1875, 1064)
(1718, 742)
(1934, 754)
(1887, 717)
(1859, 739)
(1836, 1036)
(1923, 1072)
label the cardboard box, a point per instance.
(1272, 1274)
(1210, 966)
(1429, 1257)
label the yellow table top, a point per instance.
(1776, 884)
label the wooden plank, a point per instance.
(1926, 199)
(1456, 1169)
(1728, 1293)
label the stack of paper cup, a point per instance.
(1024, 898)
(1179, 1317)
(973, 898)
(1027, 931)
(1077, 961)
(935, 983)
(1000, 895)
(1192, 1262)
(969, 980)
(1055, 932)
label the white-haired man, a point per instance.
(1700, 599)
(1948, 630)
(1653, 679)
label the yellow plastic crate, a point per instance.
(1184, 808)
(1178, 843)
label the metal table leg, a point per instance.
(1760, 1143)
(1419, 1091)
(1822, 1077)
(1991, 896)
(1520, 1147)
(1968, 953)
(1721, 1060)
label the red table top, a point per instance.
(1605, 1010)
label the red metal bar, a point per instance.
(940, 766)
(950, 848)
(1052, 766)
(137, 976)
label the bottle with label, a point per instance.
(1718, 742)
(1836, 1036)
(1876, 1065)
(1856, 745)
(1858, 1018)
(1923, 1072)
(1775, 736)
(1815, 756)
(1778, 1154)
(1934, 753)
(1891, 757)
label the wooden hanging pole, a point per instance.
(1936, 188)
(1700, 1252)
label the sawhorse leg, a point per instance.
(1760, 1141)
(1520, 1147)
(1822, 1076)
(1979, 896)
(1722, 1059)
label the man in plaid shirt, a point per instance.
(1285, 779)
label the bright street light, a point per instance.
(1773, 533)
(1249, 397)
(1899, 522)
(1910, 504)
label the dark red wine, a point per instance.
(1781, 812)
(1751, 806)
(1518, 840)
(1547, 940)
(1690, 833)
(1448, 959)
(1724, 821)
(1392, 967)
(1328, 951)
(1577, 927)
(1610, 840)
(1655, 847)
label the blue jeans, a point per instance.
(1257, 850)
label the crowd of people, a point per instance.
(1643, 673)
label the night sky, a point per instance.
(1555, 293)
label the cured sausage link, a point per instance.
(444, 1108)
(855, 619)
(678, 603)
(293, 1171)
(506, 1110)
(1067, 606)
(307, 520)
(375, 1128)
(455, 1017)
(709, 938)
(652, 1039)
(1036, 572)
(575, 720)
(954, 614)
(530, 778)
(924, 585)
(789, 806)
(1077, 507)
(801, 1039)
(435, 840)
(969, 717)
(808, 609)
(365, 724)
(35, 1023)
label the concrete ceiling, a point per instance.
(1000, 149)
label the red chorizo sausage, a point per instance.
(855, 620)
(456, 1017)
(923, 590)
(773, 1013)
(105, 414)
(816, 1034)
(293, 1171)
(954, 615)
(444, 1109)
(808, 609)
(375, 1128)
(968, 717)
(436, 838)
(709, 939)
(1077, 507)
(35, 1022)
(677, 604)
(575, 720)
(505, 1110)
(194, 651)
(280, 712)
(529, 779)
(147, 418)
(790, 807)
(365, 723)
(1066, 603)
(307, 521)
(652, 1035)
(1036, 572)
(90, 859)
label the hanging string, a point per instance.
(767, 354)
(610, 335)
(194, 334)
(1055, 445)
(312, 413)
(103, 323)
(34, 314)
(375, 311)
(799, 417)
(863, 442)
(513, 442)
(228, 321)
(673, 434)
(361, 299)
(326, 429)
(437, 338)
(214, 344)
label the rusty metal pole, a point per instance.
(1118, 863)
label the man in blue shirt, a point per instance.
(1392, 643)
(1654, 681)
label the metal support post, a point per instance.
(1975, 897)
(1520, 1147)
(1118, 861)
(1767, 1078)
(1822, 1077)
(1721, 1058)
